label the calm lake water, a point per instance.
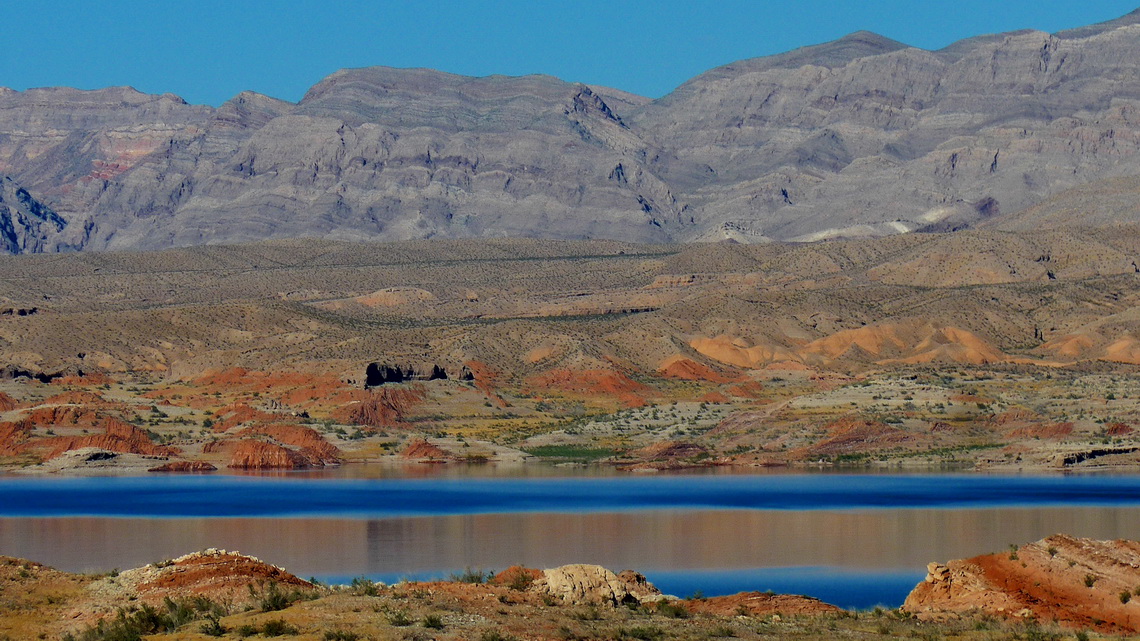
(853, 540)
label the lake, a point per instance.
(853, 540)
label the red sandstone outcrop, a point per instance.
(76, 398)
(385, 407)
(1119, 429)
(7, 403)
(422, 449)
(1080, 583)
(311, 444)
(259, 455)
(214, 573)
(686, 369)
(760, 604)
(117, 436)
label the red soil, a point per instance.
(759, 604)
(689, 370)
(714, 397)
(1119, 429)
(1054, 431)
(751, 389)
(7, 403)
(209, 573)
(1077, 582)
(594, 382)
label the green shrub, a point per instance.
(672, 610)
(399, 618)
(433, 622)
(471, 576)
(278, 628)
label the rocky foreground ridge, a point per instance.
(863, 136)
(1077, 584)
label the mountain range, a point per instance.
(859, 137)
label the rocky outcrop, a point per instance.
(420, 449)
(26, 225)
(385, 407)
(7, 403)
(117, 436)
(581, 584)
(260, 455)
(1081, 583)
(378, 374)
(212, 572)
(312, 445)
(760, 604)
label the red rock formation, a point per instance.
(1054, 431)
(1119, 429)
(714, 397)
(215, 573)
(117, 436)
(850, 435)
(312, 444)
(7, 403)
(184, 466)
(239, 413)
(1077, 582)
(12, 437)
(686, 369)
(594, 382)
(76, 398)
(760, 604)
(259, 455)
(750, 389)
(421, 449)
(385, 407)
(61, 415)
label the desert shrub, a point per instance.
(399, 618)
(471, 576)
(341, 635)
(433, 622)
(672, 610)
(278, 628)
(212, 628)
(363, 586)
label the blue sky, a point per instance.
(208, 50)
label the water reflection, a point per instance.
(873, 541)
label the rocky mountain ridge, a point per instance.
(863, 136)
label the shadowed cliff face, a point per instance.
(863, 136)
(25, 223)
